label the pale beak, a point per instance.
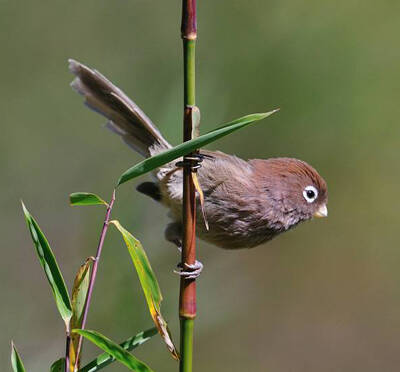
(322, 211)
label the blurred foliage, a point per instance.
(324, 297)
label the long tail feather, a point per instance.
(125, 117)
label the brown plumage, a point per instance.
(246, 202)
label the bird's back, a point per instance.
(231, 200)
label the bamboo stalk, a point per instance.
(187, 298)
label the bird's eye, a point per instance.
(310, 193)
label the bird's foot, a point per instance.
(189, 271)
(173, 233)
(178, 244)
(193, 161)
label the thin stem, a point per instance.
(94, 274)
(187, 298)
(67, 347)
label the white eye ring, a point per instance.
(310, 193)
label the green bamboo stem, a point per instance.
(187, 298)
(189, 63)
(187, 327)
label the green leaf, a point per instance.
(146, 274)
(50, 267)
(16, 361)
(149, 285)
(58, 365)
(79, 295)
(85, 198)
(114, 350)
(103, 360)
(79, 292)
(184, 148)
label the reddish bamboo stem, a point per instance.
(187, 307)
(189, 20)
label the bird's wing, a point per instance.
(220, 174)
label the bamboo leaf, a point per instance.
(149, 285)
(16, 361)
(103, 360)
(50, 267)
(58, 365)
(79, 295)
(85, 198)
(79, 292)
(184, 148)
(145, 272)
(114, 350)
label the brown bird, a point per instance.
(246, 202)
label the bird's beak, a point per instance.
(322, 211)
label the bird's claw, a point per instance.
(193, 161)
(189, 271)
(178, 244)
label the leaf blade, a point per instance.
(104, 359)
(79, 297)
(79, 292)
(50, 267)
(141, 262)
(184, 148)
(115, 350)
(149, 285)
(85, 198)
(16, 361)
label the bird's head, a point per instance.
(294, 190)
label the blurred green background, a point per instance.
(324, 297)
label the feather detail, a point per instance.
(125, 118)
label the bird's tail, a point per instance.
(125, 118)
